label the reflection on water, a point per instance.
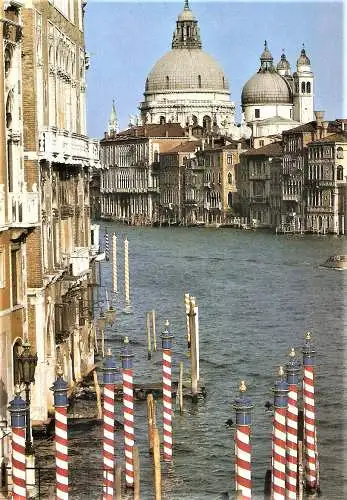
(257, 295)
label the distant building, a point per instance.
(259, 185)
(129, 183)
(274, 100)
(325, 181)
(187, 86)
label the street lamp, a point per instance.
(27, 362)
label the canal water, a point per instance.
(257, 294)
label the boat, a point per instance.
(336, 262)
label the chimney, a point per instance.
(319, 117)
(325, 125)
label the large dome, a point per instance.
(186, 69)
(266, 87)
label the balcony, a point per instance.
(290, 197)
(319, 210)
(61, 146)
(23, 209)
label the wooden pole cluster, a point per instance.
(151, 333)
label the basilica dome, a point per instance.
(268, 87)
(186, 69)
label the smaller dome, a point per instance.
(283, 63)
(264, 88)
(303, 59)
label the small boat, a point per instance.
(100, 256)
(336, 262)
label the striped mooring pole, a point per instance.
(109, 379)
(128, 412)
(107, 245)
(309, 414)
(167, 337)
(243, 406)
(280, 391)
(292, 371)
(17, 409)
(59, 389)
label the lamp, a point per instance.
(27, 362)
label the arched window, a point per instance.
(9, 105)
(223, 82)
(303, 86)
(339, 153)
(167, 82)
(147, 84)
(339, 173)
(162, 120)
(8, 58)
(230, 178)
(194, 120)
(188, 31)
(230, 199)
(206, 123)
(308, 87)
(297, 87)
(199, 81)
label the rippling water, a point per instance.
(257, 294)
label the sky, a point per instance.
(125, 39)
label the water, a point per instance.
(257, 294)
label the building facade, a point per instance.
(129, 183)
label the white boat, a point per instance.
(100, 256)
(336, 262)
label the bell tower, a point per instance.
(303, 89)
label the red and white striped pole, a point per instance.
(167, 393)
(128, 412)
(292, 371)
(310, 445)
(109, 379)
(243, 468)
(18, 410)
(279, 438)
(61, 444)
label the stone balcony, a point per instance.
(62, 146)
(23, 209)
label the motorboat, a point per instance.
(336, 262)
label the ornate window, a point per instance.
(339, 173)
(167, 82)
(199, 81)
(162, 120)
(308, 87)
(257, 113)
(339, 153)
(230, 178)
(303, 87)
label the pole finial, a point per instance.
(243, 386)
(17, 390)
(292, 353)
(280, 371)
(126, 340)
(59, 371)
(308, 336)
(167, 323)
(109, 352)
(186, 4)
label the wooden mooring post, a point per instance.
(154, 332)
(151, 420)
(98, 394)
(156, 464)
(118, 481)
(193, 351)
(136, 460)
(148, 332)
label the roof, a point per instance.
(266, 87)
(151, 130)
(339, 137)
(185, 147)
(311, 127)
(276, 119)
(273, 149)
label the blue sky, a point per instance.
(125, 39)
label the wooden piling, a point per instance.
(197, 348)
(187, 306)
(98, 394)
(148, 331)
(136, 461)
(102, 342)
(194, 380)
(180, 388)
(150, 414)
(118, 481)
(95, 340)
(154, 332)
(156, 464)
